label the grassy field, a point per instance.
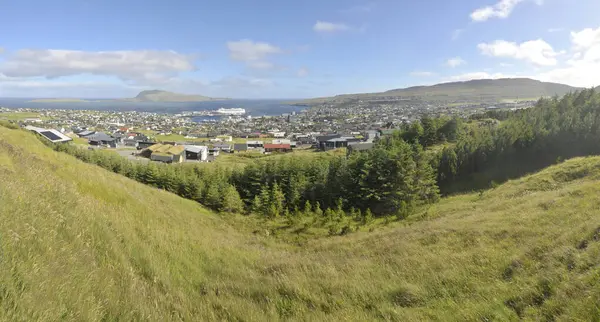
(17, 116)
(80, 243)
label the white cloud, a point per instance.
(583, 67)
(422, 74)
(254, 54)
(585, 38)
(140, 66)
(455, 62)
(302, 72)
(501, 10)
(330, 27)
(457, 33)
(537, 52)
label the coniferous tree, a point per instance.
(232, 202)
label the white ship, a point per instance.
(231, 111)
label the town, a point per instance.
(188, 137)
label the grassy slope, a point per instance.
(81, 243)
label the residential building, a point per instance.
(277, 148)
(102, 139)
(167, 153)
(223, 147)
(255, 144)
(196, 152)
(240, 147)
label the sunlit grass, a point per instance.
(81, 243)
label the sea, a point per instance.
(255, 107)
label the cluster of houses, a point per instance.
(121, 137)
(176, 152)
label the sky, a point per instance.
(289, 49)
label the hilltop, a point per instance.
(79, 242)
(482, 90)
(164, 96)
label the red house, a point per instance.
(278, 148)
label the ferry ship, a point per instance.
(231, 111)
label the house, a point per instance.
(335, 143)
(51, 135)
(167, 153)
(225, 138)
(278, 134)
(196, 152)
(277, 148)
(223, 147)
(133, 139)
(304, 139)
(240, 147)
(101, 139)
(281, 141)
(371, 135)
(214, 152)
(320, 139)
(360, 146)
(85, 133)
(255, 144)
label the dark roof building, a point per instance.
(239, 147)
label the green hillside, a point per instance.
(81, 243)
(479, 91)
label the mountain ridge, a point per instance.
(480, 89)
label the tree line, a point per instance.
(390, 179)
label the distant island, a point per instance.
(164, 96)
(143, 96)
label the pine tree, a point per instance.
(231, 202)
(368, 217)
(257, 206)
(308, 208)
(265, 201)
(318, 212)
(277, 198)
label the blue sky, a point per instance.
(289, 49)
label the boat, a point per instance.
(231, 111)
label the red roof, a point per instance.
(277, 146)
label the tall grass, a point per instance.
(81, 243)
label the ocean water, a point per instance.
(253, 107)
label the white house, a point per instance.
(196, 152)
